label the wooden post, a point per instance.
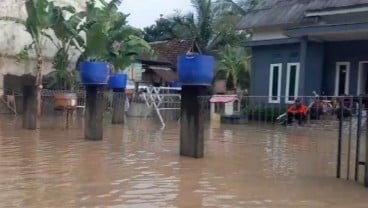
(192, 123)
(118, 106)
(30, 118)
(94, 114)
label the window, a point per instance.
(342, 78)
(292, 82)
(363, 78)
(275, 83)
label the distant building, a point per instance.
(301, 46)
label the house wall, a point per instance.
(262, 58)
(268, 34)
(14, 38)
(351, 51)
(313, 69)
(135, 71)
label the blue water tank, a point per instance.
(94, 73)
(118, 81)
(196, 69)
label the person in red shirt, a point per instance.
(297, 111)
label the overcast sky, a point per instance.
(144, 12)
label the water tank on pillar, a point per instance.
(94, 73)
(118, 81)
(196, 70)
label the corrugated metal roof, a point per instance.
(285, 12)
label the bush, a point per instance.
(264, 114)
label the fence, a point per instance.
(320, 112)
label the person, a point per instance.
(344, 105)
(297, 111)
(316, 110)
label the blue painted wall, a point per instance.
(314, 69)
(262, 58)
(320, 70)
(353, 52)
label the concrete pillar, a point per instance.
(192, 123)
(94, 113)
(118, 106)
(30, 118)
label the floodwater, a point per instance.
(137, 165)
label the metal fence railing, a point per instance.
(320, 112)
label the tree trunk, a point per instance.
(39, 87)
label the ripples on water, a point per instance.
(137, 165)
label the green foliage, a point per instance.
(109, 38)
(162, 30)
(264, 114)
(68, 34)
(234, 63)
(213, 24)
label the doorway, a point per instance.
(363, 78)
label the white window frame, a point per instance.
(287, 90)
(279, 65)
(337, 77)
(360, 72)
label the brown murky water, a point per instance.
(137, 165)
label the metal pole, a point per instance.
(366, 157)
(339, 141)
(357, 150)
(266, 112)
(349, 142)
(259, 113)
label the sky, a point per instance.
(144, 12)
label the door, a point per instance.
(342, 78)
(363, 78)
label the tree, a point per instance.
(213, 24)
(68, 36)
(234, 64)
(162, 30)
(199, 25)
(109, 38)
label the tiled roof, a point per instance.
(168, 51)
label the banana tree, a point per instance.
(68, 36)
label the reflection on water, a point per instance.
(137, 165)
